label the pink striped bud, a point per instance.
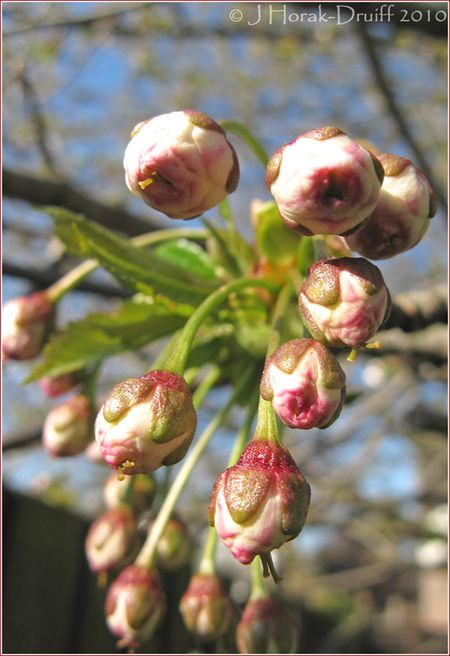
(261, 502)
(26, 322)
(67, 429)
(266, 627)
(206, 609)
(181, 163)
(324, 183)
(305, 384)
(344, 301)
(57, 385)
(110, 539)
(402, 215)
(139, 496)
(146, 422)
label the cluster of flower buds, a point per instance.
(305, 384)
(67, 428)
(181, 163)
(259, 503)
(26, 323)
(344, 301)
(206, 608)
(402, 215)
(135, 605)
(146, 422)
(266, 627)
(110, 539)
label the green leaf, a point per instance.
(135, 268)
(274, 240)
(189, 257)
(100, 335)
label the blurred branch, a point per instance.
(382, 82)
(429, 343)
(419, 308)
(40, 191)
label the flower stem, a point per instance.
(244, 133)
(207, 565)
(259, 588)
(278, 317)
(147, 555)
(177, 362)
(79, 273)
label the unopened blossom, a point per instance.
(324, 183)
(135, 605)
(56, 385)
(260, 502)
(344, 301)
(402, 215)
(206, 608)
(266, 627)
(67, 428)
(181, 163)
(138, 492)
(26, 322)
(110, 539)
(305, 384)
(146, 422)
(174, 547)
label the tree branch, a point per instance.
(40, 191)
(417, 309)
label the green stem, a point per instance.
(259, 588)
(244, 133)
(207, 565)
(205, 386)
(79, 273)
(177, 362)
(147, 555)
(267, 427)
(278, 317)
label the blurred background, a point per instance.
(368, 574)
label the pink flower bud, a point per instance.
(67, 429)
(110, 539)
(26, 322)
(402, 215)
(261, 502)
(146, 422)
(206, 609)
(57, 385)
(305, 384)
(181, 163)
(174, 546)
(266, 627)
(324, 183)
(343, 302)
(135, 605)
(139, 497)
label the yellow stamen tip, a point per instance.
(352, 355)
(145, 183)
(373, 345)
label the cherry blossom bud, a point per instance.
(67, 429)
(146, 422)
(138, 492)
(110, 539)
(26, 322)
(57, 385)
(402, 215)
(344, 301)
(174, 546)
(324, 183)
(261, 502)
(135, 605)
(305, 384)
(266, 627)
(206, 609)
(181, 163)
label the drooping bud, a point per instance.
(138, 492)
(324, 183)
(67, 429)
(261, 502)
(181, 163)
(110, 539)
(206, 609)
(146, 422)
(266, 627)
(58, 385)
(135, 605)
(344, 301)
(305, 384)
(174, 546)
(26, 322)
(402, 215)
